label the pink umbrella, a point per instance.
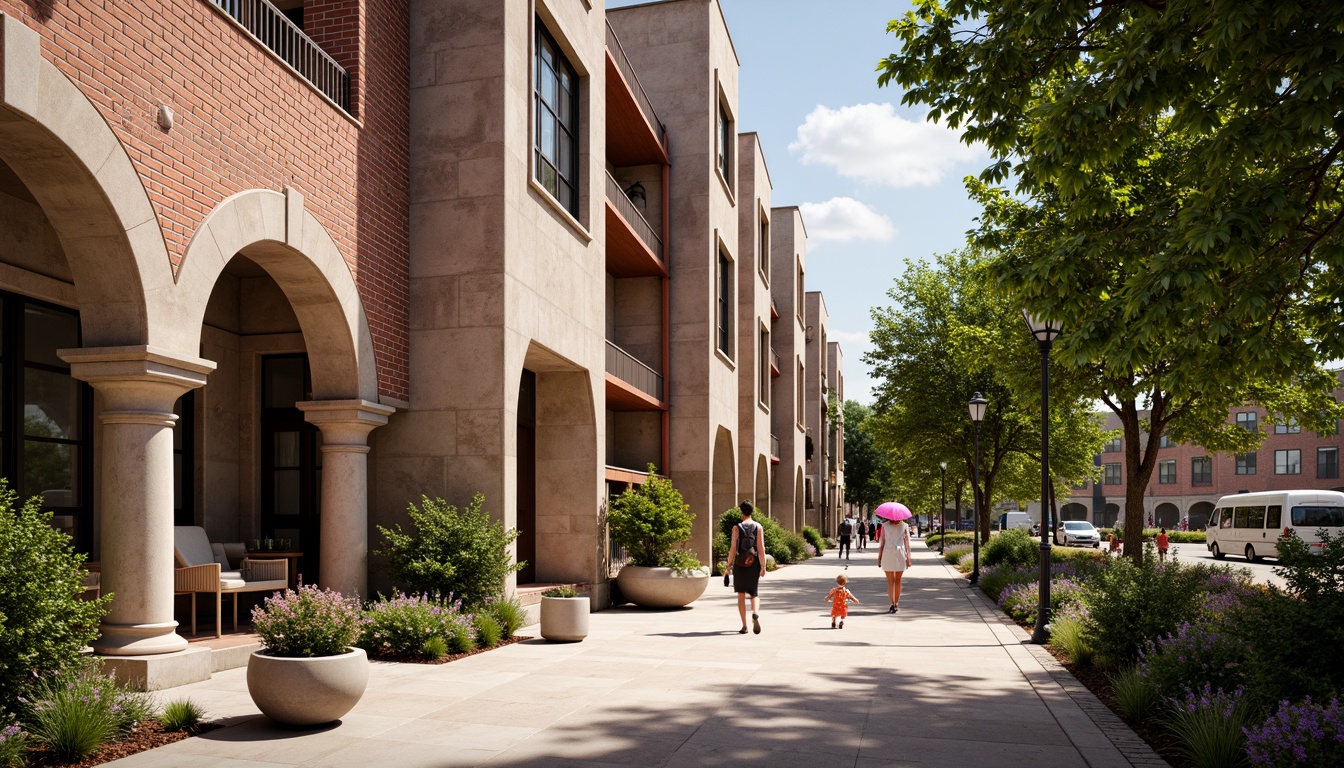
(894, 511)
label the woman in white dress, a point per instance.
(893, 557)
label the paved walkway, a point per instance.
(943, 683)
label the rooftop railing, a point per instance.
(628, 72)
(272, 29)
(629, 369)
(633, 217)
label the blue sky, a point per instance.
(878, 185)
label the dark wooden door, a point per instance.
(291, 463)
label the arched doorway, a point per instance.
(724, 480)
(1073, 511)
(1198, 516)
(1109, 515)
(799, 502)
(1166, 515)
(763, 484)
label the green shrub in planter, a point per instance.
(308, 623)
(652, 523)
(447, 551)
(1208, 725)
(560, 592)
(43, 621)
(461, 637)
(729, 520)
(1066, 633)
(1014, 547)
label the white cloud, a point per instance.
(844, 219)
(871, 143)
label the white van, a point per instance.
(1251, 524)
(1014, 520)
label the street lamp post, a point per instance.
(1045, 332)
(942, 509)
(977, 407)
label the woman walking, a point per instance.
(747, 554)
(893, 554)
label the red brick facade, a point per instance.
(244, 121)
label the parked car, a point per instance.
(1078, 533)
(966, 525)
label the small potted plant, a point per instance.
(309, 671)
(564, 615)
(652, 523)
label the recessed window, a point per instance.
(1245, 463)
(725, 305)
(1288, 462)
(1166, 442)
(1113, 445)
(1201, 471)
(1111, 474)
(763, 250)
(725, 145)
(1248, 421)
(763, 376)
(798, 300)
(1327, 462)
(1166, 472)
(555, 139)
(801, 381)
(1288, 426)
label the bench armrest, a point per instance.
(197, 578)
(265, 570)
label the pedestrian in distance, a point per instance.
(746, 553)
(893, 557)
(843, 533)
(863, 534)
(1163, 543)
(840, 597)
(1114, 547)
(872, 530)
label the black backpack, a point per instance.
(746, 545)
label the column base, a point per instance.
(161, 671)
(138, 639)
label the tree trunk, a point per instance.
(1140, 460)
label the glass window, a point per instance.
(1112, 474)
(1246, 463)
(1225, 519)
(285, 383)
(764, 375)
(725, 304)
(1113, 445)
(1248, 421)
(1288, 462)
(46, 330)
(1274, 517)
(1318, 517)
(801, 381)
(1166, 472)
(1249, 517)
(555, 141)
(1327, 462)
(1201, 471)
(725, 144)
(1287, 426)
(763, 250)
(798, 300)
(1166, 442)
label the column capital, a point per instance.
(138, 378)
(345, 422)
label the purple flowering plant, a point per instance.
(1302, 734)
(309, 622)
(402, 624)
(13, 742)
(1198, 654)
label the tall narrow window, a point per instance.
(725, 145)
(1166, 472)
(1111, 475)
(798, 300)
(763, 377)
(1201, 471)
(801, 383)
(555, 141)
(184, 512)
(763, 250)
(724, 302)
(1327, 462)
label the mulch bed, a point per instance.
(413, 659)
(144, 736)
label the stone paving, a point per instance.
(946, 682)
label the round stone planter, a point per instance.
(661, 587)
(564, 619)
(296, 691)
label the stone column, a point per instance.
(345, 426)
(139, 386)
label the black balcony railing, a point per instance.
(269, 26)
(627, 368)
(633, 217)
(628, 72)
(774, 446)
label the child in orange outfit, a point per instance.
(839, 598)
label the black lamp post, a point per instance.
(942, 509)
(977, 407)
(1045, 332)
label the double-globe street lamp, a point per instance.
(977, 407)
(1045, 331)
(942, 509)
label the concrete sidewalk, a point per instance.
(945, 682)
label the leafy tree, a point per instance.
(949, 335)
(865, 466)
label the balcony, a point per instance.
(633, 248)
(632, 385)
(774, 449)
(634, 134)
(774, 362)
(774, 311)
(269, 27)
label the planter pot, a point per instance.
(564, 619)
(294, 691)
(661, 587)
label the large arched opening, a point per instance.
(1073, 511)
(1166, 515)
(1109, 515)
(723, 484)
(1198, 516)
(763, 484)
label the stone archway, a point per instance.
(1167, 515)
(1073, 511)
(1109, 515)
(723, 483)
(1198, 515)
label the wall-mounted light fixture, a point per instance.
(637, 196)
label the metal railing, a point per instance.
(774, 446)
(631, 79)
(269, 26)
(633, 217)
(774, 360)
(629, 369)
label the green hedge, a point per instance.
(1176, 537)
(952, 538)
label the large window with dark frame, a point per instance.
(1166, 472)
(1111, 474)
(1327, 462)
(1113, 445)
(724, 302)
(724, 144)
(1201, 470)
(1248, 421)
(764, 375)
(1288, 462)
(555, 140)
(45, 414)
(1245, 463)
(763, 250)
